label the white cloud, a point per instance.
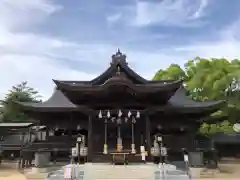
(16, 14)
(23, 55)
(227, 45)
(200, 12)
(37, 70)
(34, 57)
(114, 18)
(173, 13)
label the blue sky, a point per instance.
(43, 40)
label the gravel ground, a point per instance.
(9, 171)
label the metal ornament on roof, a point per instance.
(100, 114)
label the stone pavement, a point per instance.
(98, 171)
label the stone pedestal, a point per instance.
(196, 159)
(42, 159)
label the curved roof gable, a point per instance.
(180, 99)
(57, 102)
(120, 64)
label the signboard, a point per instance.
(68, 172)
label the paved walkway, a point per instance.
(129, 172)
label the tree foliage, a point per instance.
(209, 129)
(210, 79)
(9, 111)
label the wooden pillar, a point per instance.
(70, 126)
(47, 133)
(21, 159)
(90, 151)
(148, 135)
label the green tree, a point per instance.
(173, 72)
(10, 112)
(209, 129)
(210, 79)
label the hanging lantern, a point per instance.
(108, 114)
(118, 120)
(138, 115)
(119, 113)
(113, 118)
(100, 114)
(129, 114)
(78, 127)
(126, 119)
(133, 120)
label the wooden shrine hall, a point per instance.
(119, 111)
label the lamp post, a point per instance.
(100, 116)
(119, 138)
(159, 140)
(78, 145)
(130, 116)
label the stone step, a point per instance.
(36, 176)
(130, 172)
(171, 175)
